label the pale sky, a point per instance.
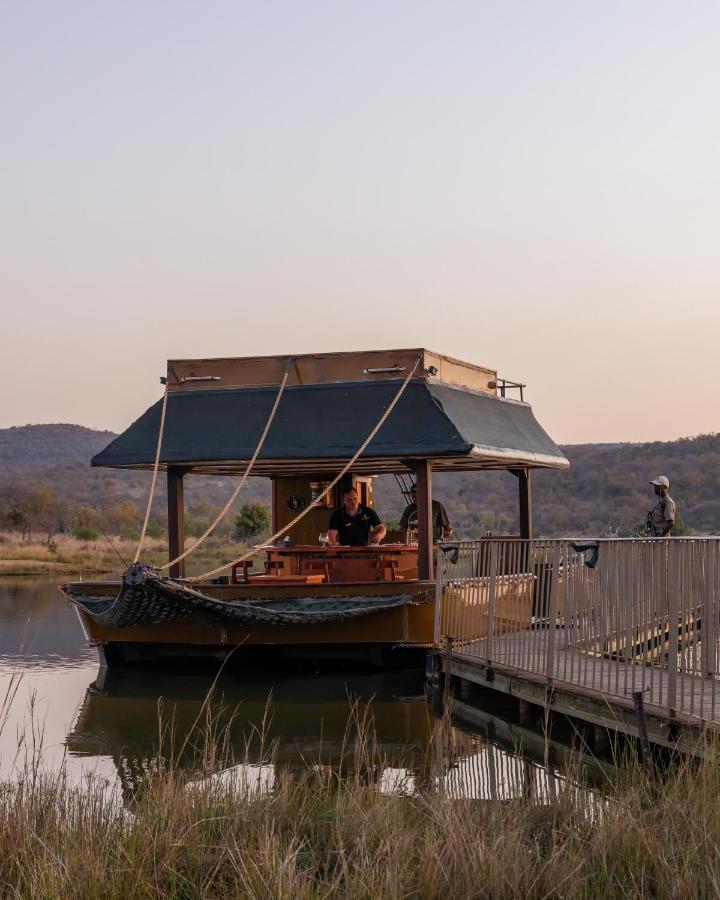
(534, 187)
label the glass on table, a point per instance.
(324, 538)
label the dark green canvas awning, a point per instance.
(319, 425)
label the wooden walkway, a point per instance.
(621, 632)
(591, 687)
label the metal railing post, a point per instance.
(439, 573)
(552, 613)
(709, 615)
(491, 599)
(671, 593)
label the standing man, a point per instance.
(440, 522)
(354, 525)
(661, 518)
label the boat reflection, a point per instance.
(380, 726)
(144, 718)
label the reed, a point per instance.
(323, 831)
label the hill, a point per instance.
(54, 462)
(606, 490)
(34, 449)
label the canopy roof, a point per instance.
(319, 426)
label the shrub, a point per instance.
(122, 518)
(154, 530)
(254, 518)
(195, 527)
(83, 520)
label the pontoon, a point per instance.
(313, 424)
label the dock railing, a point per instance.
(612, 616)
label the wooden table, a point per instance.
(379, 562)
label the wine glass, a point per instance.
(324, 538)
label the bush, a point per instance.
(82, 524)
(681, 529)
(122, 518)
(195, 527)
(154, 530)
(254, 518)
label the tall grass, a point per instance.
(328, 831)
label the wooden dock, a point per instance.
(630, 643)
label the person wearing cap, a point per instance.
(441, 524)
(661, 518)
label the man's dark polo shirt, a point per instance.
(354, 531)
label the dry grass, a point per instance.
(325, 832)
(75, 558)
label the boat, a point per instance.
(314, 424)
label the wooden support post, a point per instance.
(273, 512)
(525, 502)
(526, 712)
(644, 745)
(423, 499)
(176, 519)
(600, 739)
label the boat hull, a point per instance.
(204, 632)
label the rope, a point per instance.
(154, 476)
(246, 473)
(92, 515)
(316, 502)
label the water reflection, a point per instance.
(137, 716)
(290, 723)
(126, 723)
(38, 627)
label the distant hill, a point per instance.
(606, 491)
(33, 449)
(59, 457)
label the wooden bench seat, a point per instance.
(285, 579)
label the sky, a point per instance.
(530, 186)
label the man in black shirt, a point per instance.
(354, 525)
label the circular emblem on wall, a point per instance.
(295, 502)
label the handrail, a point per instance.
(614, 616)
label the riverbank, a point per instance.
(342, 832)
(69, 557)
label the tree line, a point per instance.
(605, 492)
(36, 512)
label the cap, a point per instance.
(661, 481)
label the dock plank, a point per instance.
(695, 696)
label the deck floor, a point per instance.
(539, 652)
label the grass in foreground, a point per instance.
(323, 832)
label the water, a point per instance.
(67, 712)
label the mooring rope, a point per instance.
(102, 531)
(154, 476)
(220, 516)
(269, 542)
